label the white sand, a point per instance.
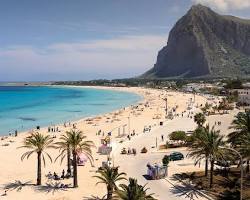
(11, 167)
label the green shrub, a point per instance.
(178, 135)
(165, 160)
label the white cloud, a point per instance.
(225, 5)
(125, 43)
(118, 56)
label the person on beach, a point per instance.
(134, 151)
(56, 177)
(63, 174)
(5, 193)
(50, 175)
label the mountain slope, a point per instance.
(205, 44)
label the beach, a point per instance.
(148, 113)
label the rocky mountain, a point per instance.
(205, 44)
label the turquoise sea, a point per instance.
(25, 107)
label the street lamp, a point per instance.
(194, 95)
(129, 123)
(166, 109)
(241, 168)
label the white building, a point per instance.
(244, 96)
(196, 87)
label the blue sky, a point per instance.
(90, 39)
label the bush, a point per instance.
(189, 140)
(165, 160)
(178, 135)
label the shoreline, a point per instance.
(81, 118)
(147, 112)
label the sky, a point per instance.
(52, 40)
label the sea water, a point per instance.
(25, 107)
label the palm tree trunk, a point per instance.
(75, 169)
(212, 173)
(110, 192)
(39, 171)
(206, 167)
(68, 162)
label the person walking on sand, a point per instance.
(63, 174)
(5, 193)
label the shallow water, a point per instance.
(25, 107)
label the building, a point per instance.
(201, 87)
(244, 96)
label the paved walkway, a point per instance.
(135, 166)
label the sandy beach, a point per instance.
(147, 113)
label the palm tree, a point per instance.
(199, 148)
(37, 143)
(215, 108)
(206, 145)
(133, 191)
(75, 141)
(241, 126)
(240, 137)
(224, 105)
(110, 176)
(64, 148)
(206, 108)
(244, 147)
(200, 119)
(215, 141)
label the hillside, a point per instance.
(205, 44)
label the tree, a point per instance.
(75, 141)
(199, 147)
(177, 135)
(240, 137)
(110, 176)
(232, 97)
(200, 119)
(215, 141)
(240, 126)
(64, 148)
(244, 148)
(206, 108)
(165, 160)
(215, 108)
(133, 191)
(224, 105)
(234, 84)
(37, 143)
(206, 145)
